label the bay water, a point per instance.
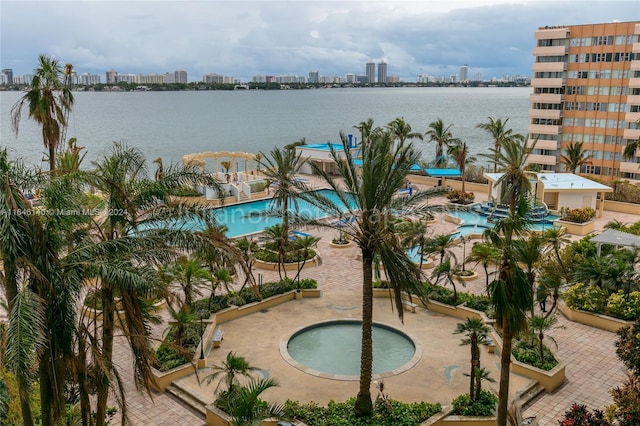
(172, 124)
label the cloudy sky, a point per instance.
(246, 38)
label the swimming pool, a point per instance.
(247, 218)
(475, 223)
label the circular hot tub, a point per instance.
(332, 349)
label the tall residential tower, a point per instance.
(371, 72)
(586, 88)
(382, 72)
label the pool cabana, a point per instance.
(558, 190)
(320, 154)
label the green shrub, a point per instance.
(619, 307)
(385, 412)
(185, 191)
(473, 301)
(290, 257)
(580, 215)
(528, 352)
(585, 297)
(460, 197)
(484, 406)
(167, 357)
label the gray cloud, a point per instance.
(245, 38)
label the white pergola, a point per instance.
(616, 238)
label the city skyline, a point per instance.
(243, 39)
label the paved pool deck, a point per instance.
(592, 366)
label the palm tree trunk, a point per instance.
(52, 158)
(505, 367)
(108, 310)
(475, 364)
(46, 388)
(364, 406)
(11, 289)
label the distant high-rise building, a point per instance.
(479, 76)
(371, 72)
(180, 76)
(586, 89)
(314, 77)
(112, 76)
(463, 73)
(8, 73)
(382, 72)
(89, 79)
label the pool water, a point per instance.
(334, 348)
(246, 218)
(474, 223)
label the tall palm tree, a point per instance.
(281, 167)
(476, 334)
(442, 245)
(540, 325)
(460, 153)
(510, 292)
(575, 157)
(368, 193)
(446, 271)
(49, 102)
(140, 229)
(441, 135)
(528, 251)
(367, 131)
(401, 130)
(303, 246)
(500, 134)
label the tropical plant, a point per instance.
(49, 101)
(575, 157)
(476, 334)
(528, 252)
(232, 367)
(246, 408)
(539, 325)
(448, 272)
(484, 254)
(459, 151)
(304, 246)
(500, 134)
(580, 415)
(630, 149)
(191, 276)
(626, 406)
(441, 135)
(401, 130)
(369, 193)
(123, 248)
(367, 131)
(510, 292)
(441, 245)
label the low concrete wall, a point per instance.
(163, 379)
(602, 322)
(619, 206)
(576, 228)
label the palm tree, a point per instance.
(367, 131)
(511, 295)
(440, 244)
(460, 152)
(276, 238)
(401, 130)
(247, 409)
(575, 157)
(555, 239)
(126, 242)
(500, 134)
(539, 325)
(368, 193)
(191, 276)
(528, 252)
(303, 246)
(476, 334)
(232, 367)
(485, 254)
(631, 147)
(446, 271)
(49, 101)
(281, 167)
(511, 159)
(441, 135)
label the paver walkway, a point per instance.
(592, 366)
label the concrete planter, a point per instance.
(471, 277)
(271, 266)
(602, 322)
(575, 228)
(445, 418)
(341, 246)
